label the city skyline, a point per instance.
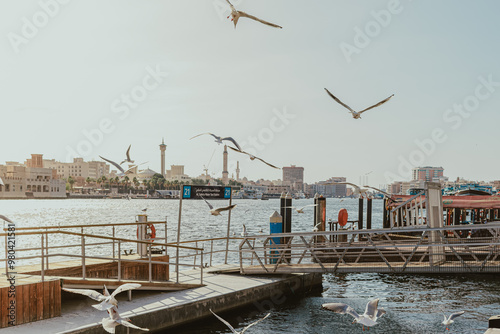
(98, 85)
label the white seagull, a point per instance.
(128, 157)
(300, 210)
(6, 219)
(244, 233)
(107, 300)
(315, 228)
(253, 157)
(115, 319)
(216, 212)
(236, 14)
(218, 139)
(357, 114)
(448, 321)
(380, 191)
(369, 318)
(244, 329)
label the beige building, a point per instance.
(294, 176)
(78, 169)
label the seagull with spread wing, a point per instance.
(300, 210)
(358, 191)
(120, 168)
(128, 157)
(107, 300)
(216, 212)
(218, 139)
(236, 14)
(357, 114)
(115, 319)
(244, 329)
(253, 157)
(449, 320)
(369, 318)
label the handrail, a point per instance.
(408, 201)
(90, 226)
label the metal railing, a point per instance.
(410, 213)
(396, 250)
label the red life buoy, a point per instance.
(149, 235)
(342, 217)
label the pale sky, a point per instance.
(70, 72)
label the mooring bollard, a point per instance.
(320, 222)
(142, 249)
(385, 219)
(275, 226)
(369, 213)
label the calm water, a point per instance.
(414, 303)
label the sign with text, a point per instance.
(197, 192)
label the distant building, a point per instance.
(79, 169)
(176, 172)
(328, 188)
(294, 176)
(163, 147)
(225, 173)
(433, 174)
(395, 188)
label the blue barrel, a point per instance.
(275, 228)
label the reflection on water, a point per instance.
(414, 303)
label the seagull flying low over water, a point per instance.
(107, 300)
(357, 114)
(216, 212)
(253, 157)
(128, 157)
(236, 14)
(115, 319)
(218, 139)
(6, 219)
(369, 318)
(448, 321)
(244, 329)
(300, 210)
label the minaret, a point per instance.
(237, 170)
(225, 173)
(163, 147)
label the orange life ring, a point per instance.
(342, 217)
(151, 235)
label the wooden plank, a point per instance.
(19, 306)
(32, 302)
(39, 301)
(57, 302)
(4, 312)
(52, 298)
(46, 300)
(26, 302)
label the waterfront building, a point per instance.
(294, 176)
(78, 169)
(427, 173)
(327, 189)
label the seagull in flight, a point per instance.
(244, 233)
(448, 321)
(107, 301)
(216, 212)
(128, 157)
(369, 318)
(380, 191)
(6, 219)
(357, 114)
(315, 228)
(218, 139)
(115, 319)
(358, 191)
(253, 157)
(244, 329)
(300, 210)
(236, 14)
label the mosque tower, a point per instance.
(163, 147)
(225, 173)
(237, 170)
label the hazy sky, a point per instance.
(90, 77)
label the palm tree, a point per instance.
(71, 181)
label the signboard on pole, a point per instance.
(207, 192)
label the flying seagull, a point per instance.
(448, 321)
(244, 329)
(218, 139)
(300, 210)
(216, 212)
(369, 318)
(128, 157)
(253, 157)
(107, 300)
(115, 319)
(380, 191)
(236, 14)
(6, 219)
(114, 164)
(357, 189)
(357, 114)
(315, 228)
(244, 233)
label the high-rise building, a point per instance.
(163, 147)
(225, 173)
(427, 173)
(294, 176)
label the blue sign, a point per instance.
(198, 192)
(186, 192)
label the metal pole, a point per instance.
(119, 260)
(178, 235)
(201, 272)
(150, 265)
(47, 250)
(166, 234)
(369, 213)
(385, 221)
(83, 256)
(113, 242)
(360, 214)
(43, 266)
(211, 251)
(228, 225)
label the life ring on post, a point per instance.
(342, 217)
(150, 232)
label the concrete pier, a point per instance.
(224, 289)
